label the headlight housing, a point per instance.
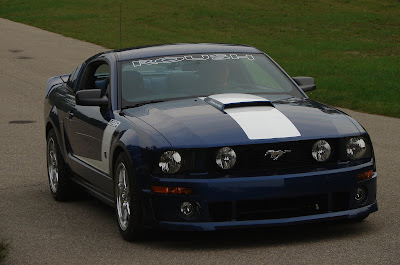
(170, 162)
(321, 150)
(225, 158)
(356, 148)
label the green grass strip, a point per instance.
(351, 47)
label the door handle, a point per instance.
(70, 114)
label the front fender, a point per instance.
(52, 122)
(139, 141)
(54, 81)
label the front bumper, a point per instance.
(212, 226)
(239, 202)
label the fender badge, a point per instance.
(114, 123)
(276, 154)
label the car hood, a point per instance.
(240, 119)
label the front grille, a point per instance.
(253, 157)
(220, 211)
(282, 208)
(278, 208)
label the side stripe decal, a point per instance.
(104, 164)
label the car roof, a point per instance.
(179, 48)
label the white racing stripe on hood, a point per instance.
(258, 122)
(263, 122)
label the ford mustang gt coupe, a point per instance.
(202, 137)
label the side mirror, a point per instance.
(90, 97)
(305, 83)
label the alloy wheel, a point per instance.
(123, 196)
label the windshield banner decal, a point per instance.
(196, 57)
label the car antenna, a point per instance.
(120, 25)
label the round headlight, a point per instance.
(225, 158)
(170, 162)
(356, 148)
(321, 150)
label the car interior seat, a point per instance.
(133, 86)
(103, 85)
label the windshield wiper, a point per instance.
(142, 103)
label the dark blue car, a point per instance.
(204, 137)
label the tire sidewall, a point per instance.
(134, 230)
(63, 188)
(52, 136)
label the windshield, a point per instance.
(201, 75)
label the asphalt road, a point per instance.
(42, 231)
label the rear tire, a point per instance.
(57, 170)
(127, 200)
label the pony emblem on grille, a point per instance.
(276, 154)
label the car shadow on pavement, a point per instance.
(248, 238)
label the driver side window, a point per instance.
(97, 76)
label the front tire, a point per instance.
(57, 170)
(127, 200)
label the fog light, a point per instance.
(225, 158)
(360, 195)
(187, 209)
(321, 150)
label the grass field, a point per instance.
(3, 252)
(352, 48)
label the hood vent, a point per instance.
(222, 103)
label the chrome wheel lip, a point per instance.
(52, 165)
(122, 196)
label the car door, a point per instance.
(86, 126)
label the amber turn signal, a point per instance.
(171, 190)
(365, 175)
